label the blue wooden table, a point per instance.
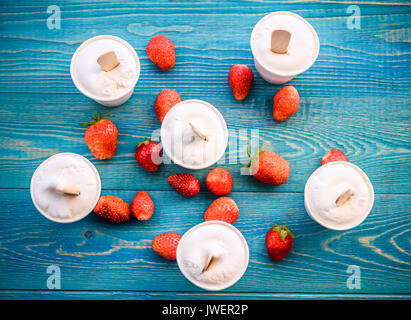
(355, 98)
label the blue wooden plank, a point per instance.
(32, 131)
(95, 255)
(372, 60)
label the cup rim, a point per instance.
(181, 163)
(321, 222)
(83, 90)
(225, 285)
(79, 217)
(316, 40)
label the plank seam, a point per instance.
(211, 293)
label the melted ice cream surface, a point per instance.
(65, 170)
(184, 144)
(223, 244)
(100, 83)
(328, 184)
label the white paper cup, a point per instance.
(167, 143)
(327, 223)
(78, 216)
(203, 285)
(270, 74)
(105, 101)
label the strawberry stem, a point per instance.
(145, 142)
(96, 118)
(283, 231)
(253, 157)
(248, 152)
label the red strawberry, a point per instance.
(101, 136)
(166, 245)
(279, 242)
(167, 99)
(240, 79)
(223, 209)
(161, 52)
(219, 181)
(268, 167)
(334, 155)
(113, 209)
(142, 206)
(185, 184)
(286, 103)
(148, 155)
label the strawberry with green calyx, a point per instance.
(268, 167)
(148, 155)
(101, 136)
(279, 242)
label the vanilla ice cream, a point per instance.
(339, 195)
(194, 134)
(302, 50)
(213, 255)
(65, 187)
(112, 87)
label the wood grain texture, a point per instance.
(356, 97)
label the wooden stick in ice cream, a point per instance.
(69, 190)
(343, 197)
(210, 262)
(199, 132)
(280, 39)
(108, 61)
